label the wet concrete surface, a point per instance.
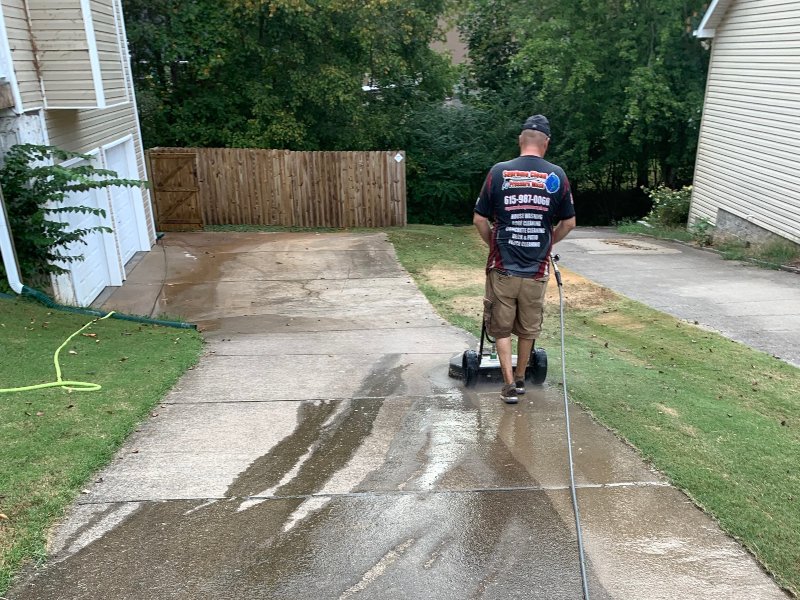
(755, 306)
(319, 450)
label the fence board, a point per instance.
(238, 186)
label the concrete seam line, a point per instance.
(389, 493)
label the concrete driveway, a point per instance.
(749, 304)
(319, 450)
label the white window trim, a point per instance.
(94, 56)
(8, 63)
(122, 41)
(138, 144)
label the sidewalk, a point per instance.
(755, 306)
(320, 451)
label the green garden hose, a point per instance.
(72, 386)
(50, 303)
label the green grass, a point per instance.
(52, 441)
(658, 231)
(722, 421)
(772, 254)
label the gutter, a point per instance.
(7, 249)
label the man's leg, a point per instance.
(504, 354)
(500, 307)
(524, 347)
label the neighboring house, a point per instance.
(747, 180)
(66, 81)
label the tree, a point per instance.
(283, 73)
(621, 80)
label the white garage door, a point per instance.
(91, 275)
(123, 201)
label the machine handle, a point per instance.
(554, 258)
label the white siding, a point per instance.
(19, 40)
(749, 143)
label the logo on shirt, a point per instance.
(524, 179)
(531, 179)
(553, 183)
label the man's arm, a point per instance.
(482, 225)
(562, 229)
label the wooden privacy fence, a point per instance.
(193, 187)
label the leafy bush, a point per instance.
(670, 207)
(35, 190)
(702, 232)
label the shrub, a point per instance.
(670, 207)
(702, 232)
(35, 190)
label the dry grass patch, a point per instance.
(453, 278)
(621, 320)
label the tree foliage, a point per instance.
(621, 80)
(283, 73)
(35, 190)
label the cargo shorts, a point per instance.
(513, 305)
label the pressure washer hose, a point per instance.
(554, 259)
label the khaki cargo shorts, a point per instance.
(513, 305)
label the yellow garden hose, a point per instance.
(72, 386)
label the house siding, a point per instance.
(22, 54)
(109, 52)
(748, 148)
(63, 49)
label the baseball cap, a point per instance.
(537, 123)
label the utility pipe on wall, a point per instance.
(7, 249)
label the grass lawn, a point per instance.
(722, 421)
(52, 440)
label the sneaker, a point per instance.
(509, 393)
(520, 386)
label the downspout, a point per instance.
(7, 249)
(12, 273)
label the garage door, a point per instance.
(123, 201)
(91, 275)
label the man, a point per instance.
(523, 197)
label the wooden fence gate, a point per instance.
(173, 176)
(193, 187)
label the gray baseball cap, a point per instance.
(537, 123)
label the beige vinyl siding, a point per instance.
(107, 35)
(22, 53)
(87, 130)
(749, 145)
(59, 32)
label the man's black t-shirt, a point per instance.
(524, 197)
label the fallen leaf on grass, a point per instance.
(91, 335)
